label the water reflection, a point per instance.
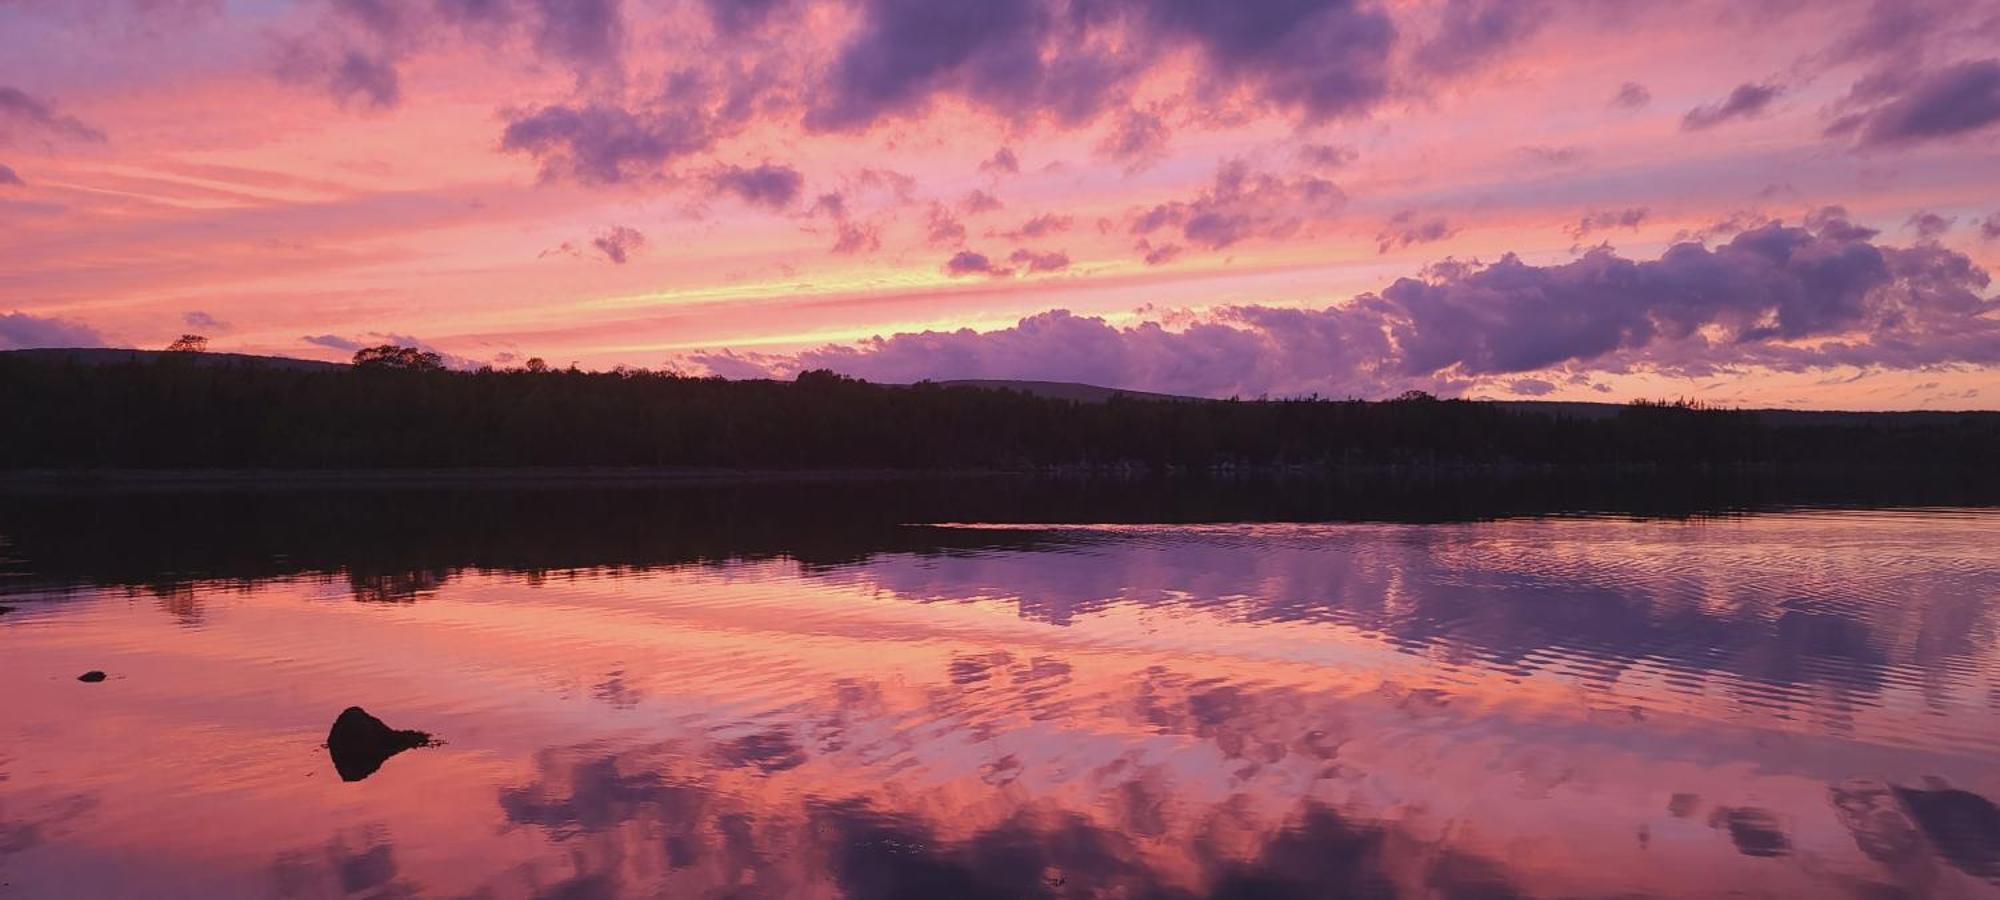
(1784, 606)
(609, 808)
(1801, 703)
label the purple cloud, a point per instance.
(832, 204)
(19, 110)
(1831, 221)
(9, 178)
(602, 144)
(598, 142)
(1327, 156)
(1891, 28)
(20, 331)
(1324, 59)
(198, 319)
(1137, 140)
(1025, 58)
(734, 17)
(978, 202)
(1002, 162)
(1929, 226)
(1033, 261)
(382, 17)
(1159, 255)
(587, 34)
(368, 78)
(1775, 296)
(1631, 95)
(766, 185)
(1243, 204)
(618, 244)
(332, 342)
(1747, 101)
(355, 51)
(1040, 226)
(1953, 101)
(1989, 228)
(942, 229)
(906, 51)
(857, 238)
(1405, 229)
(1607, 219)
(967, 262)
(1474, 31)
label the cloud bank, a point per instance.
(1774, 297)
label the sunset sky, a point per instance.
(1754, 202)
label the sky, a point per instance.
(1754, 202)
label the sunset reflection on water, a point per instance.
(1800, 703)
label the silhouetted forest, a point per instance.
(177, 411)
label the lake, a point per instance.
(1003, 689)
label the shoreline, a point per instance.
(524, 476)
(533, 477)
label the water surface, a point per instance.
(1763, 701)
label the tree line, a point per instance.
(397, 408)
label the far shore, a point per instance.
(22, 481)
(552, 476)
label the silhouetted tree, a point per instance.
(390, 356)
(188, 343)
(536, 364)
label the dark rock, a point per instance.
(1962, 825)
(360, 743)
(91, 677)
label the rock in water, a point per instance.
(1962, 825)
(360, 743)
(91, 677)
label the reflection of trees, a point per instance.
(180, 600)
(167, 536)
(396, 587)
(400, 544)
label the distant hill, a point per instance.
(115, 356)
(1062, 390)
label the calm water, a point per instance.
(700, 695)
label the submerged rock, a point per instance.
(360, 743)
(91, 677)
